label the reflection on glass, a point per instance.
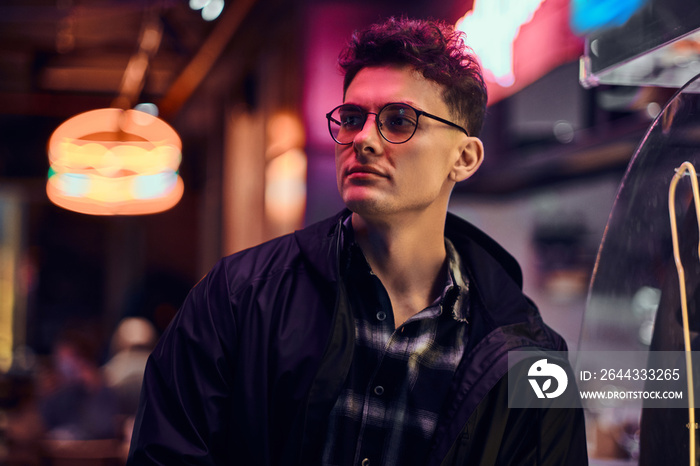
(634, 301)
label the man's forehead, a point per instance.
(379, 85)
(388, 69)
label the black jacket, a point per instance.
(252, 364)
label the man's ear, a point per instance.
(471, 154)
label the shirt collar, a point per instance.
(458, 284)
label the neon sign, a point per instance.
(491, 28)
(114, 162)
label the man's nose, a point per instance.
(370, 129)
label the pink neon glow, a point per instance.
(519, 41)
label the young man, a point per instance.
(379, 336)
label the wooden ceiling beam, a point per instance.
(197, 69)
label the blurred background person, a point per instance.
(132, 342)
(75, 403)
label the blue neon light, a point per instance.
(591, 15)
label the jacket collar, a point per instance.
(320, 245)
(495, 276)
(459, 230)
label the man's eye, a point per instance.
(351, 121)
(397, 121)
(398, 118)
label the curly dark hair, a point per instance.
(432, 47)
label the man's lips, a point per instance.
(360, 171)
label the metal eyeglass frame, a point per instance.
(332, 120)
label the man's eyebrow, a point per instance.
(354, 105)
(349, 102)
(384, 104)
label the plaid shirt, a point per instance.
(388, 409)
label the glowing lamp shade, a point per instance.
(115, 162)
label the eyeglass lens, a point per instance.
(396, 122)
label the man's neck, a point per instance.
(409, 258)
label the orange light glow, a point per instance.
(115, 162)
(285, 190)
(285, 173)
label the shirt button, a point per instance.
(381, 315)
(378, 390)
(365, 462)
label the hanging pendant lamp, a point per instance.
(115, 162)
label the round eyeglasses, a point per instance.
(397, 122)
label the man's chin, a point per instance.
(364, 205)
